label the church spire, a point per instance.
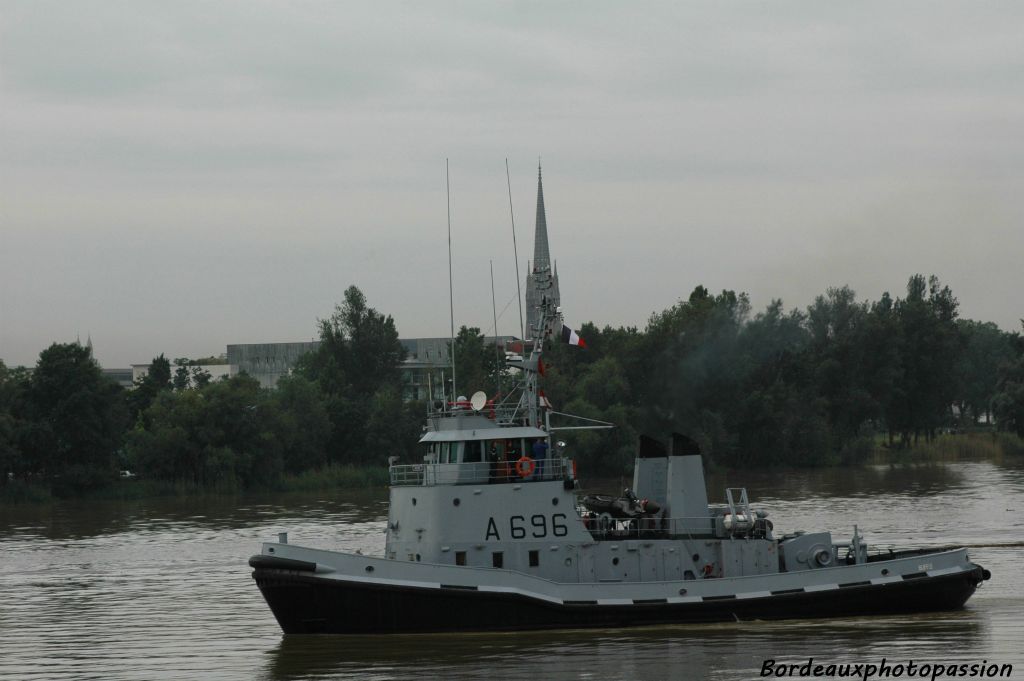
(541, 252)
(541, 282)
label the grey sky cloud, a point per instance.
(179, 176)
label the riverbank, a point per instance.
(334, 476)
(990, 446)
(993, 446)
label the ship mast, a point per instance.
(544, 324)
(542, 314)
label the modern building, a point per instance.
(123, 377)
(427, 366)
(268, 362)
(427, 362)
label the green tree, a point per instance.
(359, 355)
(188, 374)
(603, 392)
(781, 424)
(75, 419)
(156, 380)
(200, 377)
(470, 360)
(303, 423)
(182, 377)
(883, 368)
(392, 427)
(375, 354)
(359, 349)
(228, 434)
(929, 346)
(12, 384)
(840, 353)
(985, 348)
(1008, 402)
(477, 366)
(693, 372)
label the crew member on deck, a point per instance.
(511, 456)
(540, 452)
(492, 457)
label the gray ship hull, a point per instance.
(305, 602)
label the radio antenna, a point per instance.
(451, 288)
(515, 252)
(497, 350)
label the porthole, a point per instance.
(456, 502)
(554, 501)
(615, 561)
(369, 568)
(885, 572)
(696, 558)
(414, 501)
(682, 592)
(568, 562)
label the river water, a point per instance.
(160, 589)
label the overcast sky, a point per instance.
(178, 176)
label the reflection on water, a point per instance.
(662, 652)
(160, 588)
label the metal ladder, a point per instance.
(741, 507)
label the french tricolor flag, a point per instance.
(571, 337)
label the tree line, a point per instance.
(798, 387)
(66, 427)
(801, 387)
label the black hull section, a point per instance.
(307, 604)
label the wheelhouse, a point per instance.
(483, 456)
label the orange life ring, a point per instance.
(525, 466)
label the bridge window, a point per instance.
(473, 452)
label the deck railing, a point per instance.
(650, 527)
(477, 473)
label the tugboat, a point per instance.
(490, 532)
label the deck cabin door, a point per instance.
(671, 560)
(585, 561)
(650, 563)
